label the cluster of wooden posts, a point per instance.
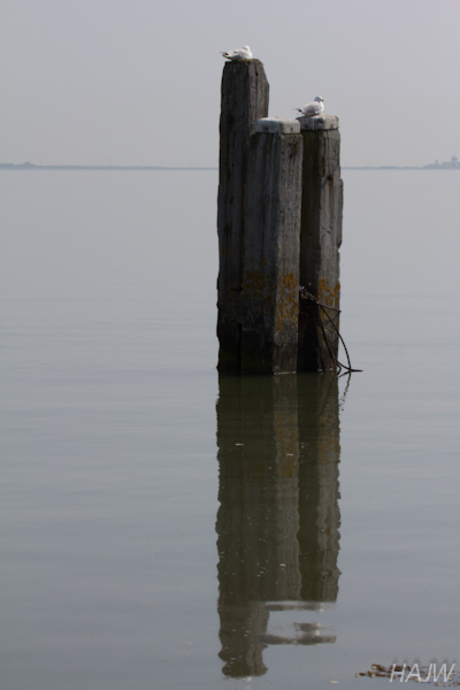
(280, 228)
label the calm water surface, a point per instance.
(166, 528)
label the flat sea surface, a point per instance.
(164, 527)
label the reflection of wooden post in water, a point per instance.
(257, 522)
(319, 514)
(273, 480)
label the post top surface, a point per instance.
(322, 121)
(277, 125)
(242, 63)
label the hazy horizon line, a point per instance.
(37, 166)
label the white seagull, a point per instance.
(243, 53)
(312, 109)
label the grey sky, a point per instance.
(137, 82)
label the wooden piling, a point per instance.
(271, 240)
(270, 295)
(320, 239)
(245, 92)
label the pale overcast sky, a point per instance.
(137, 82)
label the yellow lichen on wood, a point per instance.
(328, 296)
(254, 281)
(288, 303)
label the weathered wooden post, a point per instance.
(270, 295)
(244, 100)
(280, 227)
(320, 239)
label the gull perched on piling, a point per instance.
(312, 109)
(243, 53)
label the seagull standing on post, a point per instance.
(314, 108)
(243, 53)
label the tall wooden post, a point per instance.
(244, 100)
(270, 241)
(270, 296)
(320, 239)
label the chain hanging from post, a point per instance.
(317, 309)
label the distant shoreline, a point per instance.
(398, 167)
(32, 166)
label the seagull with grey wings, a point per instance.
(312, 109)
(243, 53)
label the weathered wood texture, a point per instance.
(244, 100)
(270, 296)
(320, 239)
